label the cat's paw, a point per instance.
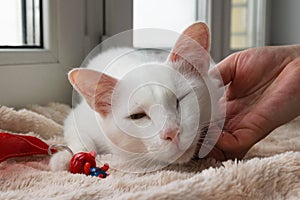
(60, 161)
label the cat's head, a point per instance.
(158, 110)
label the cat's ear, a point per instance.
(95, 87)
(193, 46)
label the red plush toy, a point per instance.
(14, 145)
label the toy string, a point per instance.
(59, 146)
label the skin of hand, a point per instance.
(263, 92)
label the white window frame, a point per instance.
(39, 76)
(49, 54)
(218, 20)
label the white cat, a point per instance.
(136, 105)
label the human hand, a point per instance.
(263, 93)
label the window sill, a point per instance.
(26, 56)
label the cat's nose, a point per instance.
(170, 134)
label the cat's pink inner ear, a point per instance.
(200, 33)
(95, 87)
(197, 32)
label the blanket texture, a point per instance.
(271, 169)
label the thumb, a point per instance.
(225, 69)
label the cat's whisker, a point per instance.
(151, 160)
(137, 161)
(153, 157)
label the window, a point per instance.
(38, 75)
(247, 24)
(21, 24)
(234, 24)
(172, 15)
(29, 34)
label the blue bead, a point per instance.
(95, 171)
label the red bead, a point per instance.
(79, 160)
(87, 167)
(105, 167)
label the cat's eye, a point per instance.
(137, 116)
(177, 104)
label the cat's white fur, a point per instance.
(117, 133)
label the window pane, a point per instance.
(173, 15)
(247, 23)
(240, 36)
(239, 30)
(20, 23)
(10, 20)
(239, 1)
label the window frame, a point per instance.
(39, 76)
(24, 24)
(50, 52)
(47, 54)
(218, 20)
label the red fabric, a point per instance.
(13, 145)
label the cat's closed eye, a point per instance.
(137, 116)
(180, 99)
(177, 104)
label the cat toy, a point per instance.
(17, 145)
(84, 163)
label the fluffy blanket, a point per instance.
(271, 170)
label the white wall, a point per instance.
(285, 22)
